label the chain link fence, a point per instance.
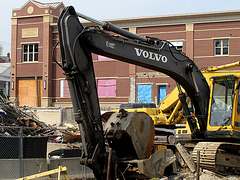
(22, 155)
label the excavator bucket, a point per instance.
(132, 129)
(131, 136)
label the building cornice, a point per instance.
(31, 16)
(175, 19)
(41, 5)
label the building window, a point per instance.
(106, 87)
(64, 90)
(103, 58)
(221, 47)
(162, 91)
(144, 93)
(30, 52)
(178, 45)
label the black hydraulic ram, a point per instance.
(111, 27)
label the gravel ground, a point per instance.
(185, 174)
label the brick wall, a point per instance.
(197, 32)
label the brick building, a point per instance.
(207, 38)
(32, 71)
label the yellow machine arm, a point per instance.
(226, 66)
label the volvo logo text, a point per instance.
(151, 55)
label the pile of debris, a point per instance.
(15, 120)
(67, 133)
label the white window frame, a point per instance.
(221, 47)
(28, 53)
(178, 45)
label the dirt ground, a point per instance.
(185, 174)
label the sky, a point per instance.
(112, 9)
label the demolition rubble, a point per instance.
(15, 121)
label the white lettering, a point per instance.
(145, 54)
(151, 55)
(158, 56)
(164, 59)
(138, 52)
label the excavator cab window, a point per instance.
(238, 106)
(222, 102)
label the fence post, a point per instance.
(21, 154)
(83, 169)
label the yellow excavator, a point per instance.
(124, 147)
(169, 111)
(222, 123)
(219, 150)
(210, 73)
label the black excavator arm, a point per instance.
(78, 68)
(77, 43)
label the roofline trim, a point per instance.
(175, 19)
(34, 2)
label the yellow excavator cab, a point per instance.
(224, 108)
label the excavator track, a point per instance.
(219, 157)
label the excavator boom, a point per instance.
(76, 45)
